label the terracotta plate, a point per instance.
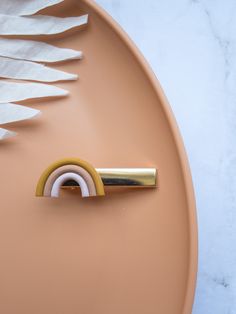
(132, 251)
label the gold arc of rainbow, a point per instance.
(66, 169)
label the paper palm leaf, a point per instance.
(19, 58)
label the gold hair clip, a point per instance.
(72, 172)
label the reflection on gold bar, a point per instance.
(143, 177)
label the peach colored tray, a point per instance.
(133, 251)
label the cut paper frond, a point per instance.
(12, 113)
(6, 134)
(27, 70)
(25, 7)
(35, 51)
(20, 59)
(38, 24)
(13, 92)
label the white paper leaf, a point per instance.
(27, 70)
(12, 92)
(35, 51)
(25, 7)
(6, 134)
(12, 113)
(38, 24)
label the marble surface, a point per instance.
(191, 46)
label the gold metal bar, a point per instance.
(143, 177)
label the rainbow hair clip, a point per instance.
(74, 172)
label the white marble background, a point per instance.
(191, 46)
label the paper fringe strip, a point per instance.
(27, 70)
(7, 111)
(32, 50)
(12, 91)
(38, 24)
(25, 7)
